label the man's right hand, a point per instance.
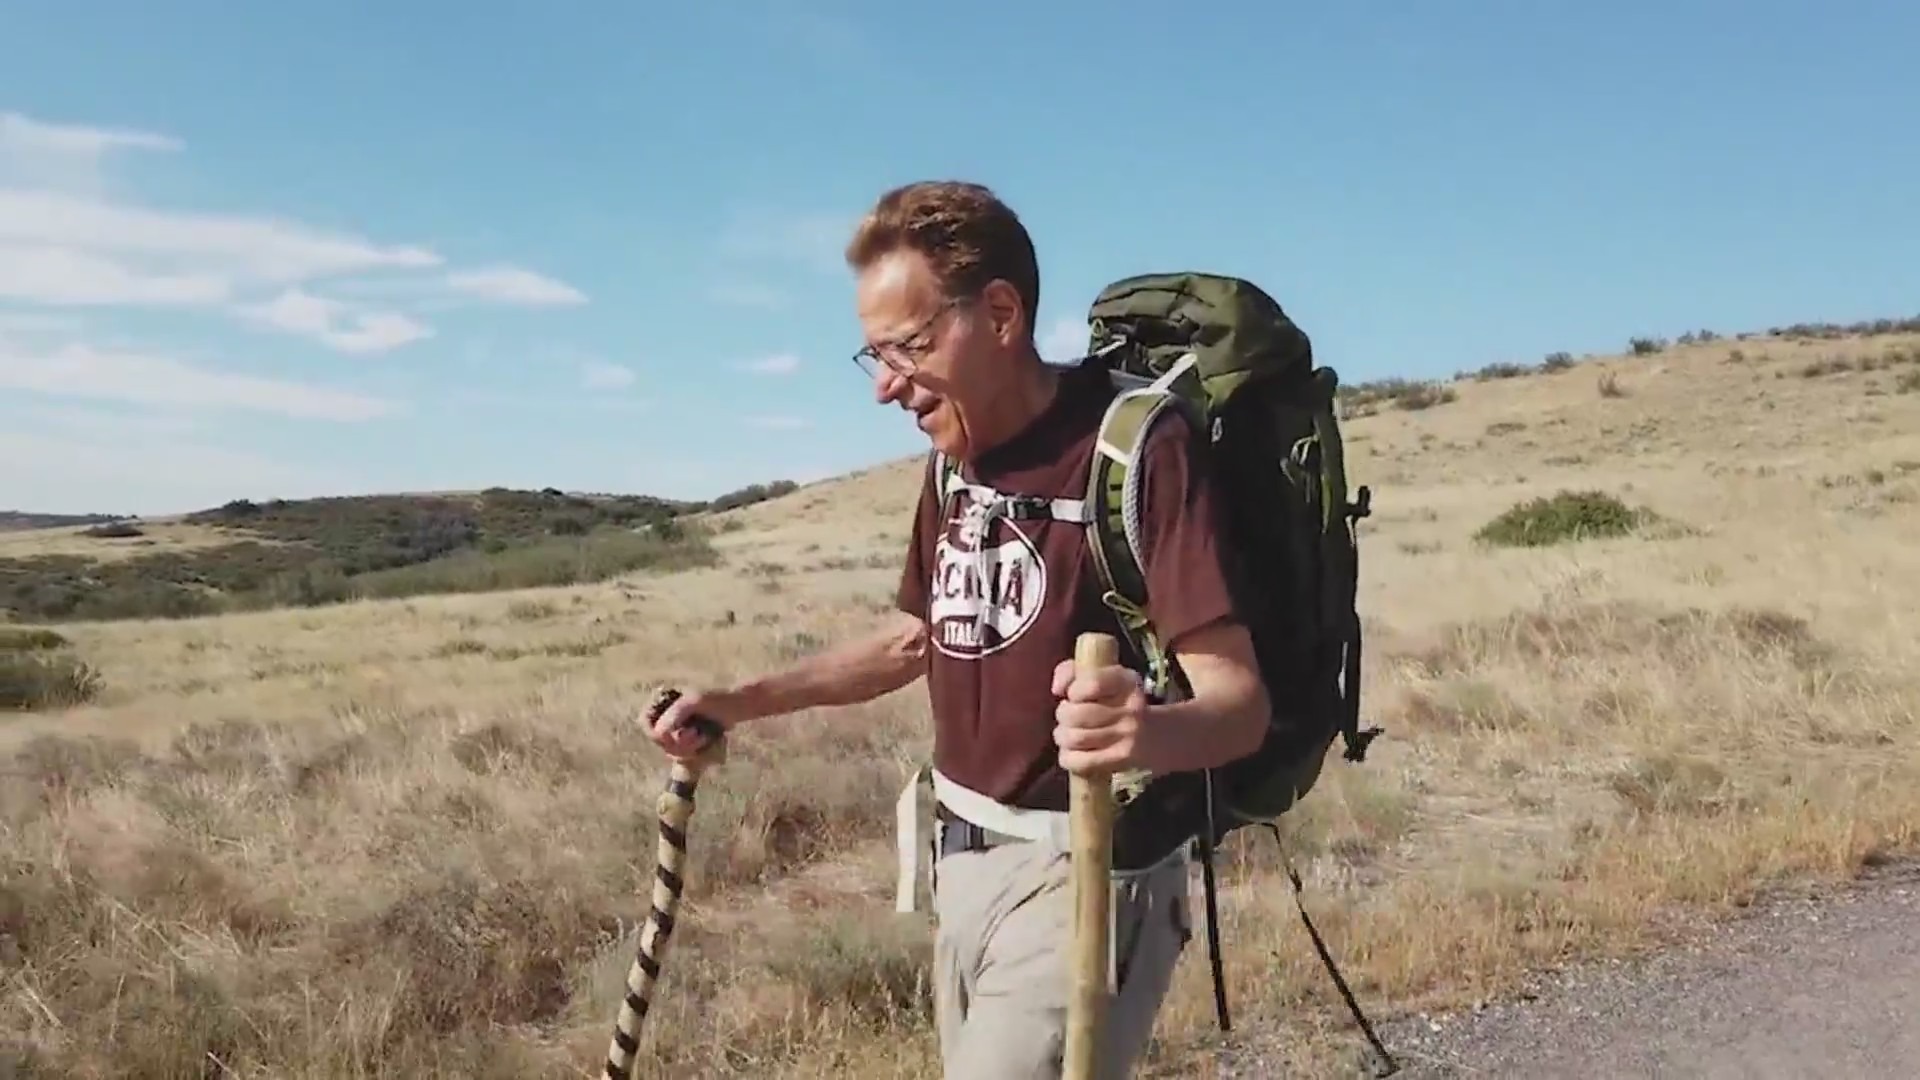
(673, 731)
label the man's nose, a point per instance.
(889, 385)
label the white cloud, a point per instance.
(91, 413)
(600, 375)
(64, 245)
(512, 285)
(336, 323)
(1064, 342)
(22, 324)
(779, 423)
(749, 294)
(82, 371)
(249, 249)
(64, 276)
(135, 472)
(95, 422)
(814, 241)
(777, 364)
(24, 136)
(36, 153)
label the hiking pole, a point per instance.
(675, 807)
(1090, 815)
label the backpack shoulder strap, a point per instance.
(944, 472)
(1113, 504)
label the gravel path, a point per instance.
(1813, 986)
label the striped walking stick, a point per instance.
(675, 807)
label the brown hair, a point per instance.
(963, 229)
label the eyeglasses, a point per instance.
(903, 353)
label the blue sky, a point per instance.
(302, 248)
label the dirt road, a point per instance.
(1814, 986)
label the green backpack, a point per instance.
(1222, 351)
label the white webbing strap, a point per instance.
(906, 822)
(1050, 827)
(1063, 509)
(1043, 826)
(1178, 369)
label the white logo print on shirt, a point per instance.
(989, 583)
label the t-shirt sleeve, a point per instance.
(1180, 522)
(916, 574)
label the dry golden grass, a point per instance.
(158, 538)
(411, 838)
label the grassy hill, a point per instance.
(1640, 635)
(16, 520)
(244, 555)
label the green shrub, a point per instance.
(560, 561)
(24, 639)
(1364, 399)
(45, 680)
(1503, 370)
(1565, 517)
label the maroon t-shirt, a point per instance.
(993, 649)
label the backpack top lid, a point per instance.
(1237, 332)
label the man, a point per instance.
(990, 604)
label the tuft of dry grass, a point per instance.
(413, 837)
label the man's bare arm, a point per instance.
(880, 662)
(1227, 715)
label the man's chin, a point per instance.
(946, 439)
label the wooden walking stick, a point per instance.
(675, 807)
(1090, 815)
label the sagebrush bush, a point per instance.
(45, 680)
(1563, 518)
(24, 639)
(1365, 399)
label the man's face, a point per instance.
(937, 358)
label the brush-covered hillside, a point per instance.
(247, 556)
(16, 520)
(1641, 638)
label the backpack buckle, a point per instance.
(1028, 507)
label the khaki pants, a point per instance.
(1001, 978)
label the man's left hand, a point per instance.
(1100, 723)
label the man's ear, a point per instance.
(1009, 317)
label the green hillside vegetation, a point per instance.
(328, 550)
(17, 520)
(1413, 395)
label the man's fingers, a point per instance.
(1062, 676)
(1082, 738)
(672, 730)
(1090, 716)
(1110, 684)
